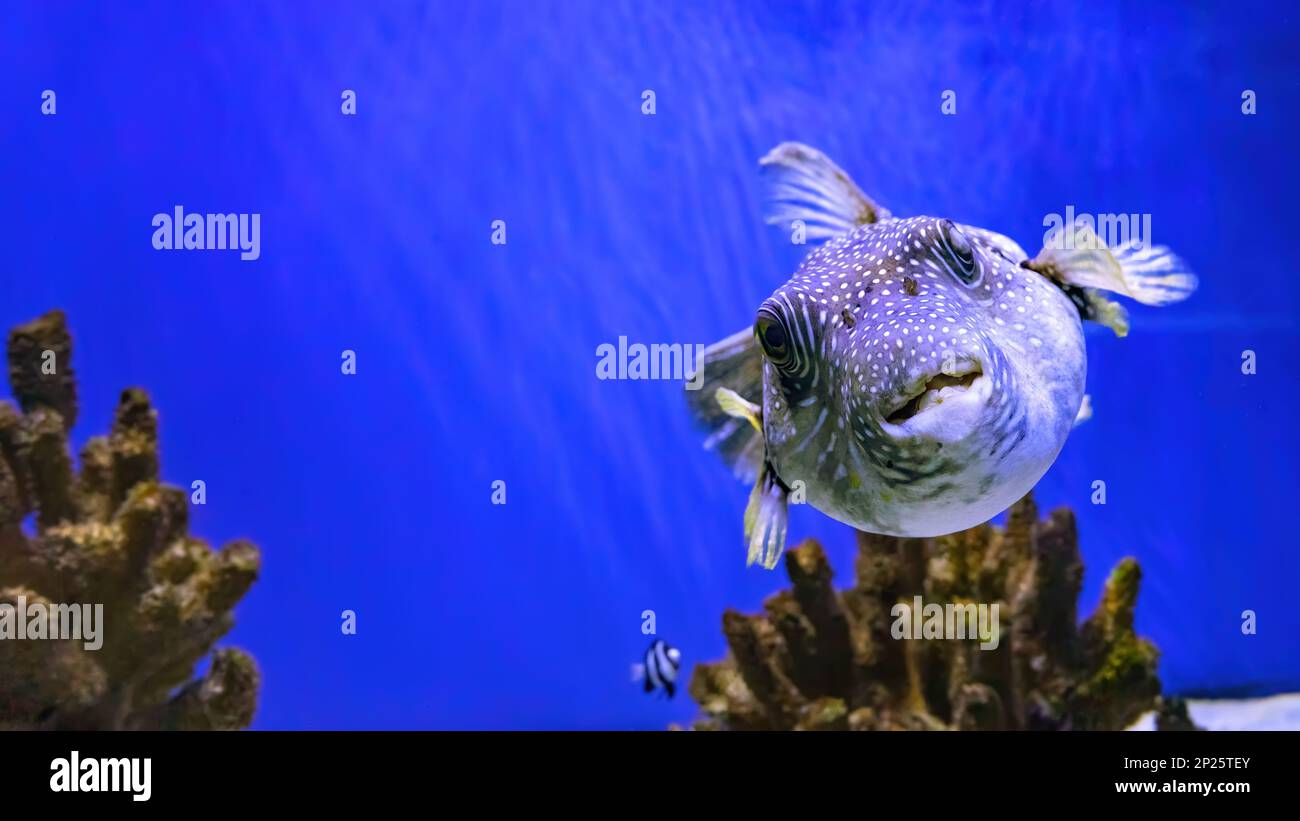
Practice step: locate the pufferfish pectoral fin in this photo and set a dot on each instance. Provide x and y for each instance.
(803, 184)
(1150, 274)
(767, 514)
(767, 518)
(733, 365)
(738, 407)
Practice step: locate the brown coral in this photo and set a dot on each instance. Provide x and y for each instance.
(110, 534)
(817, 659)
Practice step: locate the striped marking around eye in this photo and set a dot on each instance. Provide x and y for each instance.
(805, 361)
(941, 253)
(947, 256)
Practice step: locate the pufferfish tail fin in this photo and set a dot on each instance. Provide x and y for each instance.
(1150, 274)
(803, 184)
(736, 366)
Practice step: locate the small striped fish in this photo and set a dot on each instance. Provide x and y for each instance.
(659, 668)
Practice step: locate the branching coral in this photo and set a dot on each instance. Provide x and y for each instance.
(110, 534)
(821, 659)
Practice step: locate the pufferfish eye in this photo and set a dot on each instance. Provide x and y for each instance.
(772, 336)
(958, 253)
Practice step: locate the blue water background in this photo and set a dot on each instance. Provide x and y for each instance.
(477, 362)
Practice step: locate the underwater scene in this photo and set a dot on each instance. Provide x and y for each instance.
(649, 365)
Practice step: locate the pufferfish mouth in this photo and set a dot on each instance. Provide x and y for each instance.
(935, 390)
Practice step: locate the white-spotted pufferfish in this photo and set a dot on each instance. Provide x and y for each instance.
(915, 377)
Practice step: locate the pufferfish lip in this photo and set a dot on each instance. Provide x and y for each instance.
(932, 390)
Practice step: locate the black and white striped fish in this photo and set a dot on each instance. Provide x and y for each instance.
(915, 377)
(659, 668)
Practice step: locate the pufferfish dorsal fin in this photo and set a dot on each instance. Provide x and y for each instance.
(1150, 274)
(803, 184)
